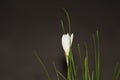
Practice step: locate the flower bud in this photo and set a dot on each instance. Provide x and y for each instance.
(66, 44)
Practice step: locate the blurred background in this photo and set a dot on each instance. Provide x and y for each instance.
(27, 25)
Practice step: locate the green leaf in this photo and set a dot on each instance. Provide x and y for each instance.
(73, 70)
(81, 62)
(56, 71)
(115, 71)
(98, 42)
(118, 74)
(97, 55)
(68, 18)
(93, 75)
(63, 28)
(86, 64)
(86, 69)
(95, 52)
(43, 66)
(61, 75)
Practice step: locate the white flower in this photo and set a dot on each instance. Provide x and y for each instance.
(66, 43)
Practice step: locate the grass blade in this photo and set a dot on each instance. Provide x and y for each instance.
(56, 71)
(73, 70)
(43, 66)
(118, 74)
(115, 71)
(86, 69)
(97, 55)
(93, 75)
(68, 18)
(86, 64)
(61, 75)
(95, 52)
(97, 35)
(81, 62)
(63, 28)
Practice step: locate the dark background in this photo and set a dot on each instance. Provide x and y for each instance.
(26, 25)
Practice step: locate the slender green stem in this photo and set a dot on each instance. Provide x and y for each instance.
(68, 18)
(63, 28)
(86, 50)
(86, 64)
(97, 35)
(69, 68)
(95, 52)
(56, 71)
(81, 62)
(61, 75)
(86, 69)
(93, 75)
(116, 70)
(118, 74)
(43, 66)
(71, 73)
(73, 65)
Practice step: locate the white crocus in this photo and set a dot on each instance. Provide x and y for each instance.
(66, 43)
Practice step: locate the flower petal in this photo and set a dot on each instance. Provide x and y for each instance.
(66, 43)
(71, 37)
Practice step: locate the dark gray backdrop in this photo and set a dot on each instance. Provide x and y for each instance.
(26, 25)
